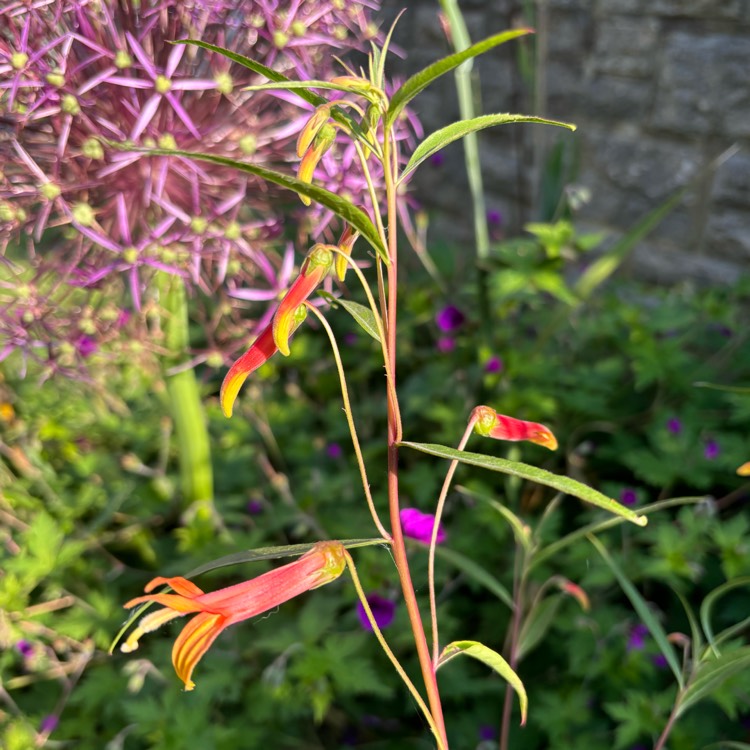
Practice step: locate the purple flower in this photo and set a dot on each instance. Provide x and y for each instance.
(674, 425)
(437, 159)
(449, 319)
(637, 638)
(418, 525)
(711, 450)
(487, 733)
(350, 339)
(659, 661)
(24, 648)
(446, 344)
(255, 507)
(383, 610)
(493, 364)
(333, 450)
(495, 224)
(628, 496)
(49, 724)
(85, 346)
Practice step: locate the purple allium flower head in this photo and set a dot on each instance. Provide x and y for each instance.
(711, 450)
(450, 319)
(659, 661)
(49, 723)
(383, 610)
(255, 507)
(90, 72)
(628, 496)
(333, 450)
(418, 525)
(446, 344)
(493, 364)
(674, 426)
(24, 648)
(637, 638)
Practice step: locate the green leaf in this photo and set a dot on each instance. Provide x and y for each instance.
(363, 315)
(419, 81)
(742, 390)
(532, 473)
(708, 603)
(643, 611)
(727, 745)
(520, 530)
(440, 138)
(696, 637)
(303, 85)
(476, 572)
(493, 660)
(537, 623)
(341, 207)
(711, 674)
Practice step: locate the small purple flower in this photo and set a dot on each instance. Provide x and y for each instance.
(255, 507)
(487, 733)
(450, 318)
(24, 648)
(637, 638)
(711, 450)
(493, 364)
(659, 661)
(446, 344)
(674, 426)
(437, 159)
(494, 218)
(418, 525)
(628, 496)
(350, 339)
(333, 450)
(383, 610)
(49, 724)
(85, 346)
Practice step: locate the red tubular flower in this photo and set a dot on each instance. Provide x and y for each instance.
(317, 264)
(217, 610)
(574, 590)
(491, 424)
(259, 353)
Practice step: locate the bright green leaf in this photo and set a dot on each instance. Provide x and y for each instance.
(493, 660)
(532, 473)
(419, 81)
(363, 315)
(441, 138)
(537, 623)
(711, 674)
(708, 603)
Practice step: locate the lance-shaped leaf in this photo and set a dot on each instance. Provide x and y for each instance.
(493, 660)
(340, 206)
(708, 605)
(363, 315)
(441, 138)
(525, 471)
(419, 81)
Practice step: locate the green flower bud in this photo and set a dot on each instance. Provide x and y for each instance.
(233, 231)
(83, 214)
(198, 224)
(162, 84)
(130, 255)
(92, 149)
(167, 141)
(122, 59)
(224, 83)
(248, 144)
(50, 191)
(56, 78)
(18, 60)
(70, 105)
(280, 39)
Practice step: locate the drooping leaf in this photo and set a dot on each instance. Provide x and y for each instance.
(493, 660)
(340, 206)
(709, 602)
(476, 572)
(537, 623)
(711, 674)
(643, 611)
(740, 389)
(441, 138)
(521, 531)
(363, 315)
(525, 471)
(419, 81)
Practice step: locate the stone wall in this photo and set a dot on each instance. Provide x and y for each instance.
(658, 88)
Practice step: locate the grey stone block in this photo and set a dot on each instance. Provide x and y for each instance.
(727, 235)
(732, 183)
(665, 264)
(626, 46)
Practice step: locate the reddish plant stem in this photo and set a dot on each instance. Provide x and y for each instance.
(394, 436)
(518, 591)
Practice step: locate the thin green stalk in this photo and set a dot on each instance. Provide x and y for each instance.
(397, 665)
(350, 421)
(394, 436)
(433, 542)
(194, 448)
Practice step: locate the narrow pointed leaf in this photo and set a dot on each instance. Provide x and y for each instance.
(493, 660)
(537, 623)
(708, 603)
(727, 745)
(643, 611)
(363, 315)
(520, 530)
(341, 207)
(525, 471)
(476, 572)
(301, 85)
(441, 138)
(419, 81)
(741, 389)
(696, 637)
(711, 674)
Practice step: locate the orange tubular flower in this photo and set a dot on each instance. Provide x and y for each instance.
(317, 264)
(323, 140)
(259, 353)
(217, 610)
(744, 470)
(346, 243)
(574, 590)
(307, 135)
(491, 424)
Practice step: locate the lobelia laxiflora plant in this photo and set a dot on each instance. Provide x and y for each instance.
(367, 113)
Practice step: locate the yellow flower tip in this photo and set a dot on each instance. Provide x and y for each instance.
(333, 563)
(574, 590)
(189, 685)
(230, 389)
(744, 470)
(542, 436)
(313, 125)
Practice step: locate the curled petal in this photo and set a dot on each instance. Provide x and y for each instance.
(322, 142)
(744, 470)
(346, 243)
(314, 124)
(194, 640)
